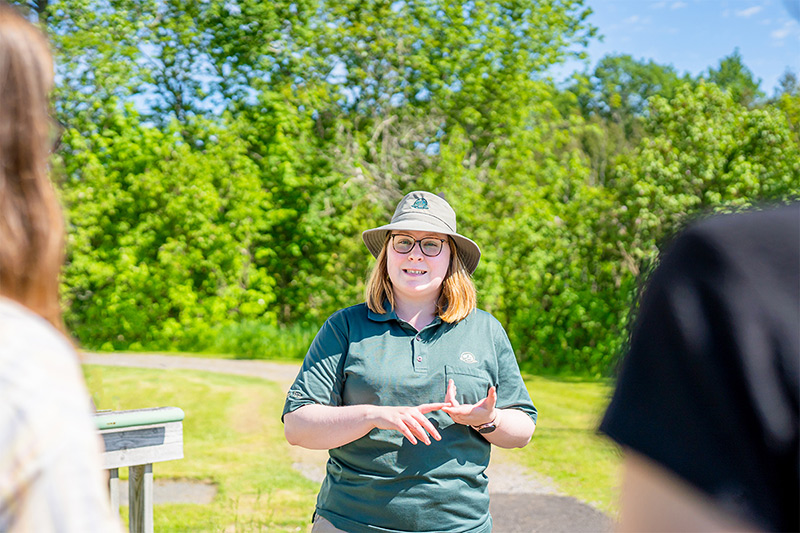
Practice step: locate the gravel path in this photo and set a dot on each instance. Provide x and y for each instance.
(522, 502)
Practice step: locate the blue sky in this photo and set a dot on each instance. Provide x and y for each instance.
(693, 35)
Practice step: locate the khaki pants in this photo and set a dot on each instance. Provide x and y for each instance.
(321, 525)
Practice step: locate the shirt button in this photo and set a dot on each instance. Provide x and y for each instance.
(419, 359)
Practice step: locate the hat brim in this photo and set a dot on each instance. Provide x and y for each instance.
(468, 251)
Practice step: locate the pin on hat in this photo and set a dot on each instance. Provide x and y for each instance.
(425, 211)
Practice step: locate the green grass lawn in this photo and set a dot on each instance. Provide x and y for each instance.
(233, 437)
(566, 447)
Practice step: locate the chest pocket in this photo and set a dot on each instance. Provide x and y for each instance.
(471, 384)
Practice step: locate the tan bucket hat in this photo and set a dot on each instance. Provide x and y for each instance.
(424, 211)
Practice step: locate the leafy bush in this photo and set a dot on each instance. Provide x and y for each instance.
(161, 241)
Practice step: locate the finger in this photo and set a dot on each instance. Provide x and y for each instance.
(458, 410)
(416, 428)
(407, 433)
(490, 401)
(429, 407)
(491, 398)
(430, 428)
(450, 397)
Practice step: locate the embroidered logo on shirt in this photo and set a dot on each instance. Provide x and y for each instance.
(468, 358)
(421, 203)
(295, 394)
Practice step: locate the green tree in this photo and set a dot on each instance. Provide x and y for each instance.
(705, 151)
(313, 212)
(787, 99)
(621, 86)
(276, 132)
(701, 152)
(614, 100)
(409, 72)
(97, 55)
(733, 76)
(529, 210)
(413, 77)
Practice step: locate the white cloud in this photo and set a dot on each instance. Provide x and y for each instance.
(658, 5)
(782, 33)
(749, 12)
(678, 5)
(637, 23)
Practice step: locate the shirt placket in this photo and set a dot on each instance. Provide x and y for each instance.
(419, 351)
(421, 345)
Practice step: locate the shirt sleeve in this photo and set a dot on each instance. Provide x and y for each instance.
(511, 390)
(709, 387)
(321, 377)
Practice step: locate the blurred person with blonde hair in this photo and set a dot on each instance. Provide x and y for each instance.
(51, 476)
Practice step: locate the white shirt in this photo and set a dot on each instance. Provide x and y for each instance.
(51, 476)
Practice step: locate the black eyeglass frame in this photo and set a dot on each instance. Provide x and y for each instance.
(57, 129)
(417, 242)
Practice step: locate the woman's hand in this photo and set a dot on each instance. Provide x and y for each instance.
(514, 428)
(410, 421)
(474, 414)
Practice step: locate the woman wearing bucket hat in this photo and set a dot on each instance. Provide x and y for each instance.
(417, 362)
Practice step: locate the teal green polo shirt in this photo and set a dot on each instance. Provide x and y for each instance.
(382, 482)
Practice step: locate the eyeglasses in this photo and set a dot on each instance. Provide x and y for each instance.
(56, 133)
(430, 246)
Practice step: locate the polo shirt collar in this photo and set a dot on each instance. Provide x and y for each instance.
(385, 317)
(390, 314)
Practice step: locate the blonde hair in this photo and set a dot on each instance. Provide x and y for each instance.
(458, 296)
(31, 222)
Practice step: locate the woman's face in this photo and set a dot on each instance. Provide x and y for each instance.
(414, 275)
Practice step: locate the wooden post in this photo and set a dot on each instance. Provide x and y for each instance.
(113, 489)
(140, 499)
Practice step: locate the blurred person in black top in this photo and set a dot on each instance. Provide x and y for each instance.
(706, 406)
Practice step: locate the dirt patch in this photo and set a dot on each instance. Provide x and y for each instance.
(508, 477)
(175, 491)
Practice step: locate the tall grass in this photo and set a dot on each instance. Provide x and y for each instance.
(254, 340)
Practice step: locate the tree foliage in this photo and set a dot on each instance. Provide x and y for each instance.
(221, 159)
(733, 76)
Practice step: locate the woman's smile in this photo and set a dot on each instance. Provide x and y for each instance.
(416, 276)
